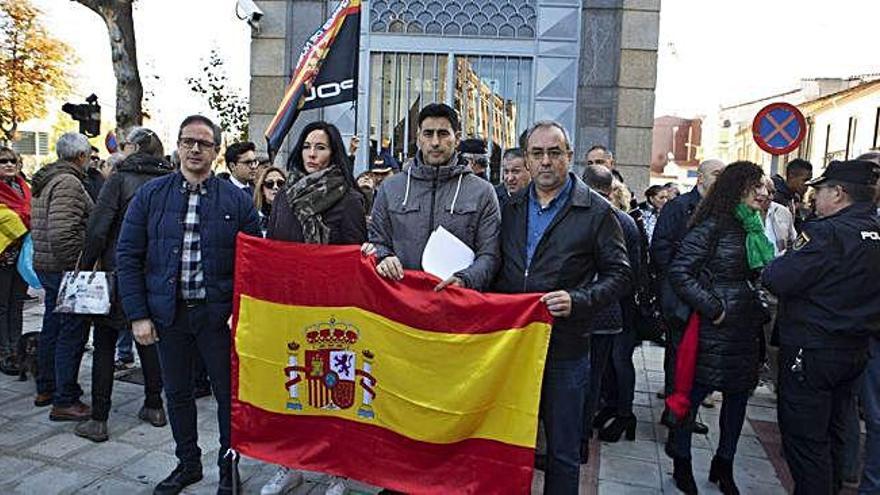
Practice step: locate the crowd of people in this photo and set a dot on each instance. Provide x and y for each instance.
(770, 284)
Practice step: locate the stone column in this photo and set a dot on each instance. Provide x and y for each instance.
(617, 76)
(637, 78)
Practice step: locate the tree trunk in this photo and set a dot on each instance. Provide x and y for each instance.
(117, 15)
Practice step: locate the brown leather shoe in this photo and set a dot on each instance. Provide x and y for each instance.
(74, 412)
(43, 400)
(155, 417)
(93, 430)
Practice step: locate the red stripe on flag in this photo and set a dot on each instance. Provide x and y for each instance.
(380, 457)
(19, 203)
(338, 276)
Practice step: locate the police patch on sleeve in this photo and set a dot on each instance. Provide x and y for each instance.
(802, 240)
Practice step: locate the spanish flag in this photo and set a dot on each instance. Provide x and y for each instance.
(337, 370)
(15, 212)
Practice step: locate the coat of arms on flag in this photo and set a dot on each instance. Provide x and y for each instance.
(330, 369)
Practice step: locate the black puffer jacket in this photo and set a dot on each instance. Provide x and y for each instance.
(710, 273)
(106, 219)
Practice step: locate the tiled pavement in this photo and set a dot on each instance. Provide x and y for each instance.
(41, 457)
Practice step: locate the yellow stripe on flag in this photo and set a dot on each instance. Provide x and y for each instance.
(478, 385)
(11, 227)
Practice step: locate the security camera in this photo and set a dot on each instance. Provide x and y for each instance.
(248, 10)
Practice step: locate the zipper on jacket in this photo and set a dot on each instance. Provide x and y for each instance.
(526, 280)
(433, 197)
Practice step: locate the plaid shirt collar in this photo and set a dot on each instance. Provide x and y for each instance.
(201, 188)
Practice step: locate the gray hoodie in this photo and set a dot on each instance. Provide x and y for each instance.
(410, 205)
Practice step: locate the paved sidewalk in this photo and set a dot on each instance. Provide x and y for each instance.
(40, 456)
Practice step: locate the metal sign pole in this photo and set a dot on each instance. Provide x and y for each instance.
(774, 165)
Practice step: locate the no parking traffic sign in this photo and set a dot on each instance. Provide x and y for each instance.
(779, 128)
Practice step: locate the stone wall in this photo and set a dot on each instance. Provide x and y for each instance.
(617, 76)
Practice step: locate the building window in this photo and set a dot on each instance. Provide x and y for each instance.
(42, 143)
(827, 143)
(497, 19)
(402, 83)
(852, 125)
(876, 130)
(491, 94)
(31, 143)
(806, 148)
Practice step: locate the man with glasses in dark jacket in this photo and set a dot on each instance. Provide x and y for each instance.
(241, 160)
(175, 261)
(561, 238)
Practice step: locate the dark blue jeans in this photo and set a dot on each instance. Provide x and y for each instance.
(125, 345)
(192, 333)
(871, 402)
(563, 396)
(733, 414)
(62, 342)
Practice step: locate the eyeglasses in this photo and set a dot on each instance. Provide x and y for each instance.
(190, 143)
(249, 163)
(272, 184)
(8, 161)
(555, 154)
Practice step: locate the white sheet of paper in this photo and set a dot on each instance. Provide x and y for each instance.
(445, 254)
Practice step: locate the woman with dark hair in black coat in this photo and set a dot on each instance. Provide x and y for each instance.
(714, 272)
(320, 204)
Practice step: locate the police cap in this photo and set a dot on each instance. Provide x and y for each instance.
(850, 171)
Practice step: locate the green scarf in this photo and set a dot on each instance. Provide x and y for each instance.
(759, 249)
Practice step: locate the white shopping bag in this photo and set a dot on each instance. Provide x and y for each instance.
(84, 293)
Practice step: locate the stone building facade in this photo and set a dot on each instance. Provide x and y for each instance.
(503, 64)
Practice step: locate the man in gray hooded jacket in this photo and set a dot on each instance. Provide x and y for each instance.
(437, 188)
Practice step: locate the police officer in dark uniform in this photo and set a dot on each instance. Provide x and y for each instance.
(829, 306)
